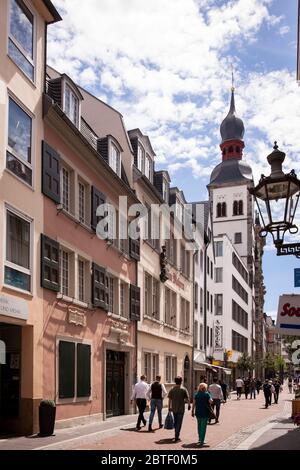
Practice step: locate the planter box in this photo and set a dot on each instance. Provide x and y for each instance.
(295, 407)
(47, 420)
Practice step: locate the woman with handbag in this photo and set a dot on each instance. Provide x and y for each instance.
(202, 410)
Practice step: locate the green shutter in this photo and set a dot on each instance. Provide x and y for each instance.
(66, 369)
(83, 370)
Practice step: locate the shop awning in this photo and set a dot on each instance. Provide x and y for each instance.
(225, 369)
(203, 366)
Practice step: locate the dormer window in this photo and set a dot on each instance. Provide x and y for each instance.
(115, 159)
(21, 34)
(147, 167)
(71, 105)
(141, 158)
(179, 210)
(164, 189)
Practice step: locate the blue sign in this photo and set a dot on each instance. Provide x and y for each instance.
(297, 277)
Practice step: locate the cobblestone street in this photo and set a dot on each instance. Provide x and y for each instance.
(244, 425)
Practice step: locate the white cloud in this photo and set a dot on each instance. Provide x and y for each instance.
(165, 65)
(284, 30)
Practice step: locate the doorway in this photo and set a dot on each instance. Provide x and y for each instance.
(10, 376)
(115, 383)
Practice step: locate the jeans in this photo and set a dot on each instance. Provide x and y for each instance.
(253, 392)
(216, 403)
(276, 395)
(141, 404)
(202, 424)
(246, 392)
(268, 398)
(156, 403)
(238, 392)
(178, 418)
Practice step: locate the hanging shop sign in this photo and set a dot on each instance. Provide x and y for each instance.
(288, 316)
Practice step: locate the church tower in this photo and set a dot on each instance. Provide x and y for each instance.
(231, 203)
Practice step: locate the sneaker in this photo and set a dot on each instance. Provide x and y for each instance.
(150, 429)
(137, 428)
(161, 426)
(200, 444)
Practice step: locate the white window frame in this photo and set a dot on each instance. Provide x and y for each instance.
(67, 85)
(9, 264)
(30, 165)
(218, 279)
(141, 158)
(151, 370)
(117, 167)
(124, 310)
(33, 60)
(62, 252)
(81, 277)
(171, 368)
(75, 399)
(82, 193)
(148, 166)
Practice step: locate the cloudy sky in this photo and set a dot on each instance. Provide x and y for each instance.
(166, 66)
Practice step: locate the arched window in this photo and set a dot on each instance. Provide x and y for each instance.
(235, 208)
(237, 149)
(238, 207)
(223, 209)
(224, 151)
(219, 209)
(230, 150)
(241, 208)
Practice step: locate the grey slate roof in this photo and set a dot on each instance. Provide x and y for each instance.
(232, 126)
(231, 171)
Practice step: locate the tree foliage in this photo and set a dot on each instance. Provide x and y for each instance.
(246, 363)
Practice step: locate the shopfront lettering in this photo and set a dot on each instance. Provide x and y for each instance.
(287, 310)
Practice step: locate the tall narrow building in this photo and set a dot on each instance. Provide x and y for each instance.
(232, 214)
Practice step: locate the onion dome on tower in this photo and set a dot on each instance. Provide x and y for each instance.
(232, 168)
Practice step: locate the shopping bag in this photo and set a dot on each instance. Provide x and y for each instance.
(169, 422)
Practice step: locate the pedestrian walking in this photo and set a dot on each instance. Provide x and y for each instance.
(178, 396)
(239, 383)
(156, 394)
(246, 387)
(252, 389)
(290, 384)
(267, 393)
(201, 403)
(224, 389)
(277, 386)
(272, 391)
(258, 385)
(139, 394)
(216, 394)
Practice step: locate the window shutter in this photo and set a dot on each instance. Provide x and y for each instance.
(98, 198)
(99, 287)
(102, 148)
(83, 370)
(134, 249)
(66, 369)
(134, 144)
(135, 309)
(50, 173)
(54, 90)
(49, 263)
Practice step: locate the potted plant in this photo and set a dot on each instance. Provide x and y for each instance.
(296, 403)
(47, 412)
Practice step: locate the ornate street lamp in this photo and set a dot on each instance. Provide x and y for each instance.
(277, 197)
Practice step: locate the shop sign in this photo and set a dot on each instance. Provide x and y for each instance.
(14, 307)
(288, 316)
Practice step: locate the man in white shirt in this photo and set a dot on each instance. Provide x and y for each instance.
(216, 393)
(139, 394)
(239, 383)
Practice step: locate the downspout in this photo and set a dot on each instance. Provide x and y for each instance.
(193, 326)
(205, 298)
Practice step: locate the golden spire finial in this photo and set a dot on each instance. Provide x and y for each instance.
(232, 78)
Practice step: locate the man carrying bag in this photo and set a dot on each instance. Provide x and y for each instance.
(178, 396)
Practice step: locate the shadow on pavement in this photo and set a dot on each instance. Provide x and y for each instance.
(289, 441)
(166, 441)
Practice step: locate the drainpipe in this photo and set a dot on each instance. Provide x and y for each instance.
(205, 298)
(193, 325)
